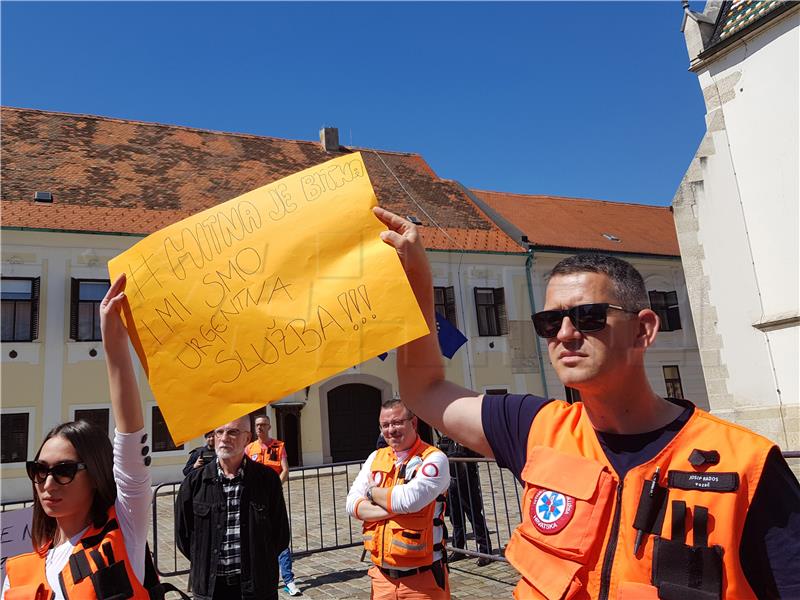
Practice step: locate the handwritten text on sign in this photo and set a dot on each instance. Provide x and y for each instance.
(15, 535)
(256, 298)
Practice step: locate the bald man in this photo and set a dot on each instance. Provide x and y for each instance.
(230, 521)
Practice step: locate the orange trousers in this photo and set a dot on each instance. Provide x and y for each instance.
(421, 586)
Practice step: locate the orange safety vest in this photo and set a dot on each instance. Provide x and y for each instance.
(577, 534)
(269, 455)
(406, 540)
(99, 567)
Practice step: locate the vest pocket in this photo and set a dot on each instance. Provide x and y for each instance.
(566, 503)
(411, 543)
(629, 590)
(370, 531)
(548, 575)
(112, 583)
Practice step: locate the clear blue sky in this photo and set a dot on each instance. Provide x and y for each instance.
(574, 99)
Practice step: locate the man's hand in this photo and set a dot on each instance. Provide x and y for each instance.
(380, 496)
(370, 511)
(404, 237)
(198, 463)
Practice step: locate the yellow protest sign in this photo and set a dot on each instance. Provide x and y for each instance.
(263, 295)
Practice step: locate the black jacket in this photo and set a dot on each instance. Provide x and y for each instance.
(200, 512)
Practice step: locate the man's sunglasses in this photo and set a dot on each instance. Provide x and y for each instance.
(586, 318)
(63, 472)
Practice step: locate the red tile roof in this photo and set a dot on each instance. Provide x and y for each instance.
(579, 224)
(118, 176)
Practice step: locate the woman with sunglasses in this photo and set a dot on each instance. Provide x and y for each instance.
(91, 502)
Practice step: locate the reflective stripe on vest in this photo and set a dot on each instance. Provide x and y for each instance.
(406, 540)
(567, 545)
(269, 455)
(101, 550)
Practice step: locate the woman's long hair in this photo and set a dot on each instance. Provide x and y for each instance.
(94, 449)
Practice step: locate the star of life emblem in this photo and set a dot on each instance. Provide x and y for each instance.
(551, 511)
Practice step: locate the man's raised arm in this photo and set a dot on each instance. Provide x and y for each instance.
(448, 407)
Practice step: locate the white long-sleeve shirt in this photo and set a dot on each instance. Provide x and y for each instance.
(432, 478)
(134, 494)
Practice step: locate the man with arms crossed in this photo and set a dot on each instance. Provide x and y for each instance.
(272, 453)
(230, 522)
(627, 494)
(399, 494)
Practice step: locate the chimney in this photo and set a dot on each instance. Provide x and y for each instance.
(698, 27)
(329, 138)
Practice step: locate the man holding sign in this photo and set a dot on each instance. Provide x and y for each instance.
(627, 494)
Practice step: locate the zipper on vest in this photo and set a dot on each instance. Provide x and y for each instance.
(611, 548)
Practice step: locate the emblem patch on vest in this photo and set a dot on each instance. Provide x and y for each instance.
(551, 511)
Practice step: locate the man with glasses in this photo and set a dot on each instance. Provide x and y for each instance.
(230, 522)
(399, 495)
(627, 494)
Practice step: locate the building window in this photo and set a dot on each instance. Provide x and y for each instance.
(444, 301)
(672, 379)
(84, 315)
(14, 428)
(20, 312)
(665, 305)
(572, 395)
(491, 307)
(96, 416)
(162, 440)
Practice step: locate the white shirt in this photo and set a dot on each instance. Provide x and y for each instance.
(431, 479)
(134, 494)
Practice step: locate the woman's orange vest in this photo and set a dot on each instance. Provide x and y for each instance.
(577, 534)
(98, 567)
(405, 540)
(269, 455)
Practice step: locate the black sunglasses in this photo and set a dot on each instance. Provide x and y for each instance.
(586, 318)
(63, 472)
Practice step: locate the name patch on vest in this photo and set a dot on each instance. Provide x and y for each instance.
(551, 511)
(709, 482)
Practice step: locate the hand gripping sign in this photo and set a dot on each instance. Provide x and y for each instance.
(254, 299)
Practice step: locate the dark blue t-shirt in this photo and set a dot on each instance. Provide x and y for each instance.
(770, 548)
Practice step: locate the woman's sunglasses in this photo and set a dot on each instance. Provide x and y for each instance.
(63, 472)
(586, 318)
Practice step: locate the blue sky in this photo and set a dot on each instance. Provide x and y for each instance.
(574, 99)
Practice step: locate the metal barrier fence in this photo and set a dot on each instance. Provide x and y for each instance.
(315, 500)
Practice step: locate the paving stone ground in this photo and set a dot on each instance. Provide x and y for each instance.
(316, 502)
(341, 574)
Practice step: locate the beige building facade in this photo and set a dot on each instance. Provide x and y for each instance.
(736, 212)
(61, 223)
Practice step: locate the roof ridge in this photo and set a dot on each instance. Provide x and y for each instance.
(193, 129)
(554, 197)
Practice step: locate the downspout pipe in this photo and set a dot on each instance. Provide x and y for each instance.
(528, 269)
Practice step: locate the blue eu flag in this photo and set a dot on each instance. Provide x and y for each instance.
(450, 338)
